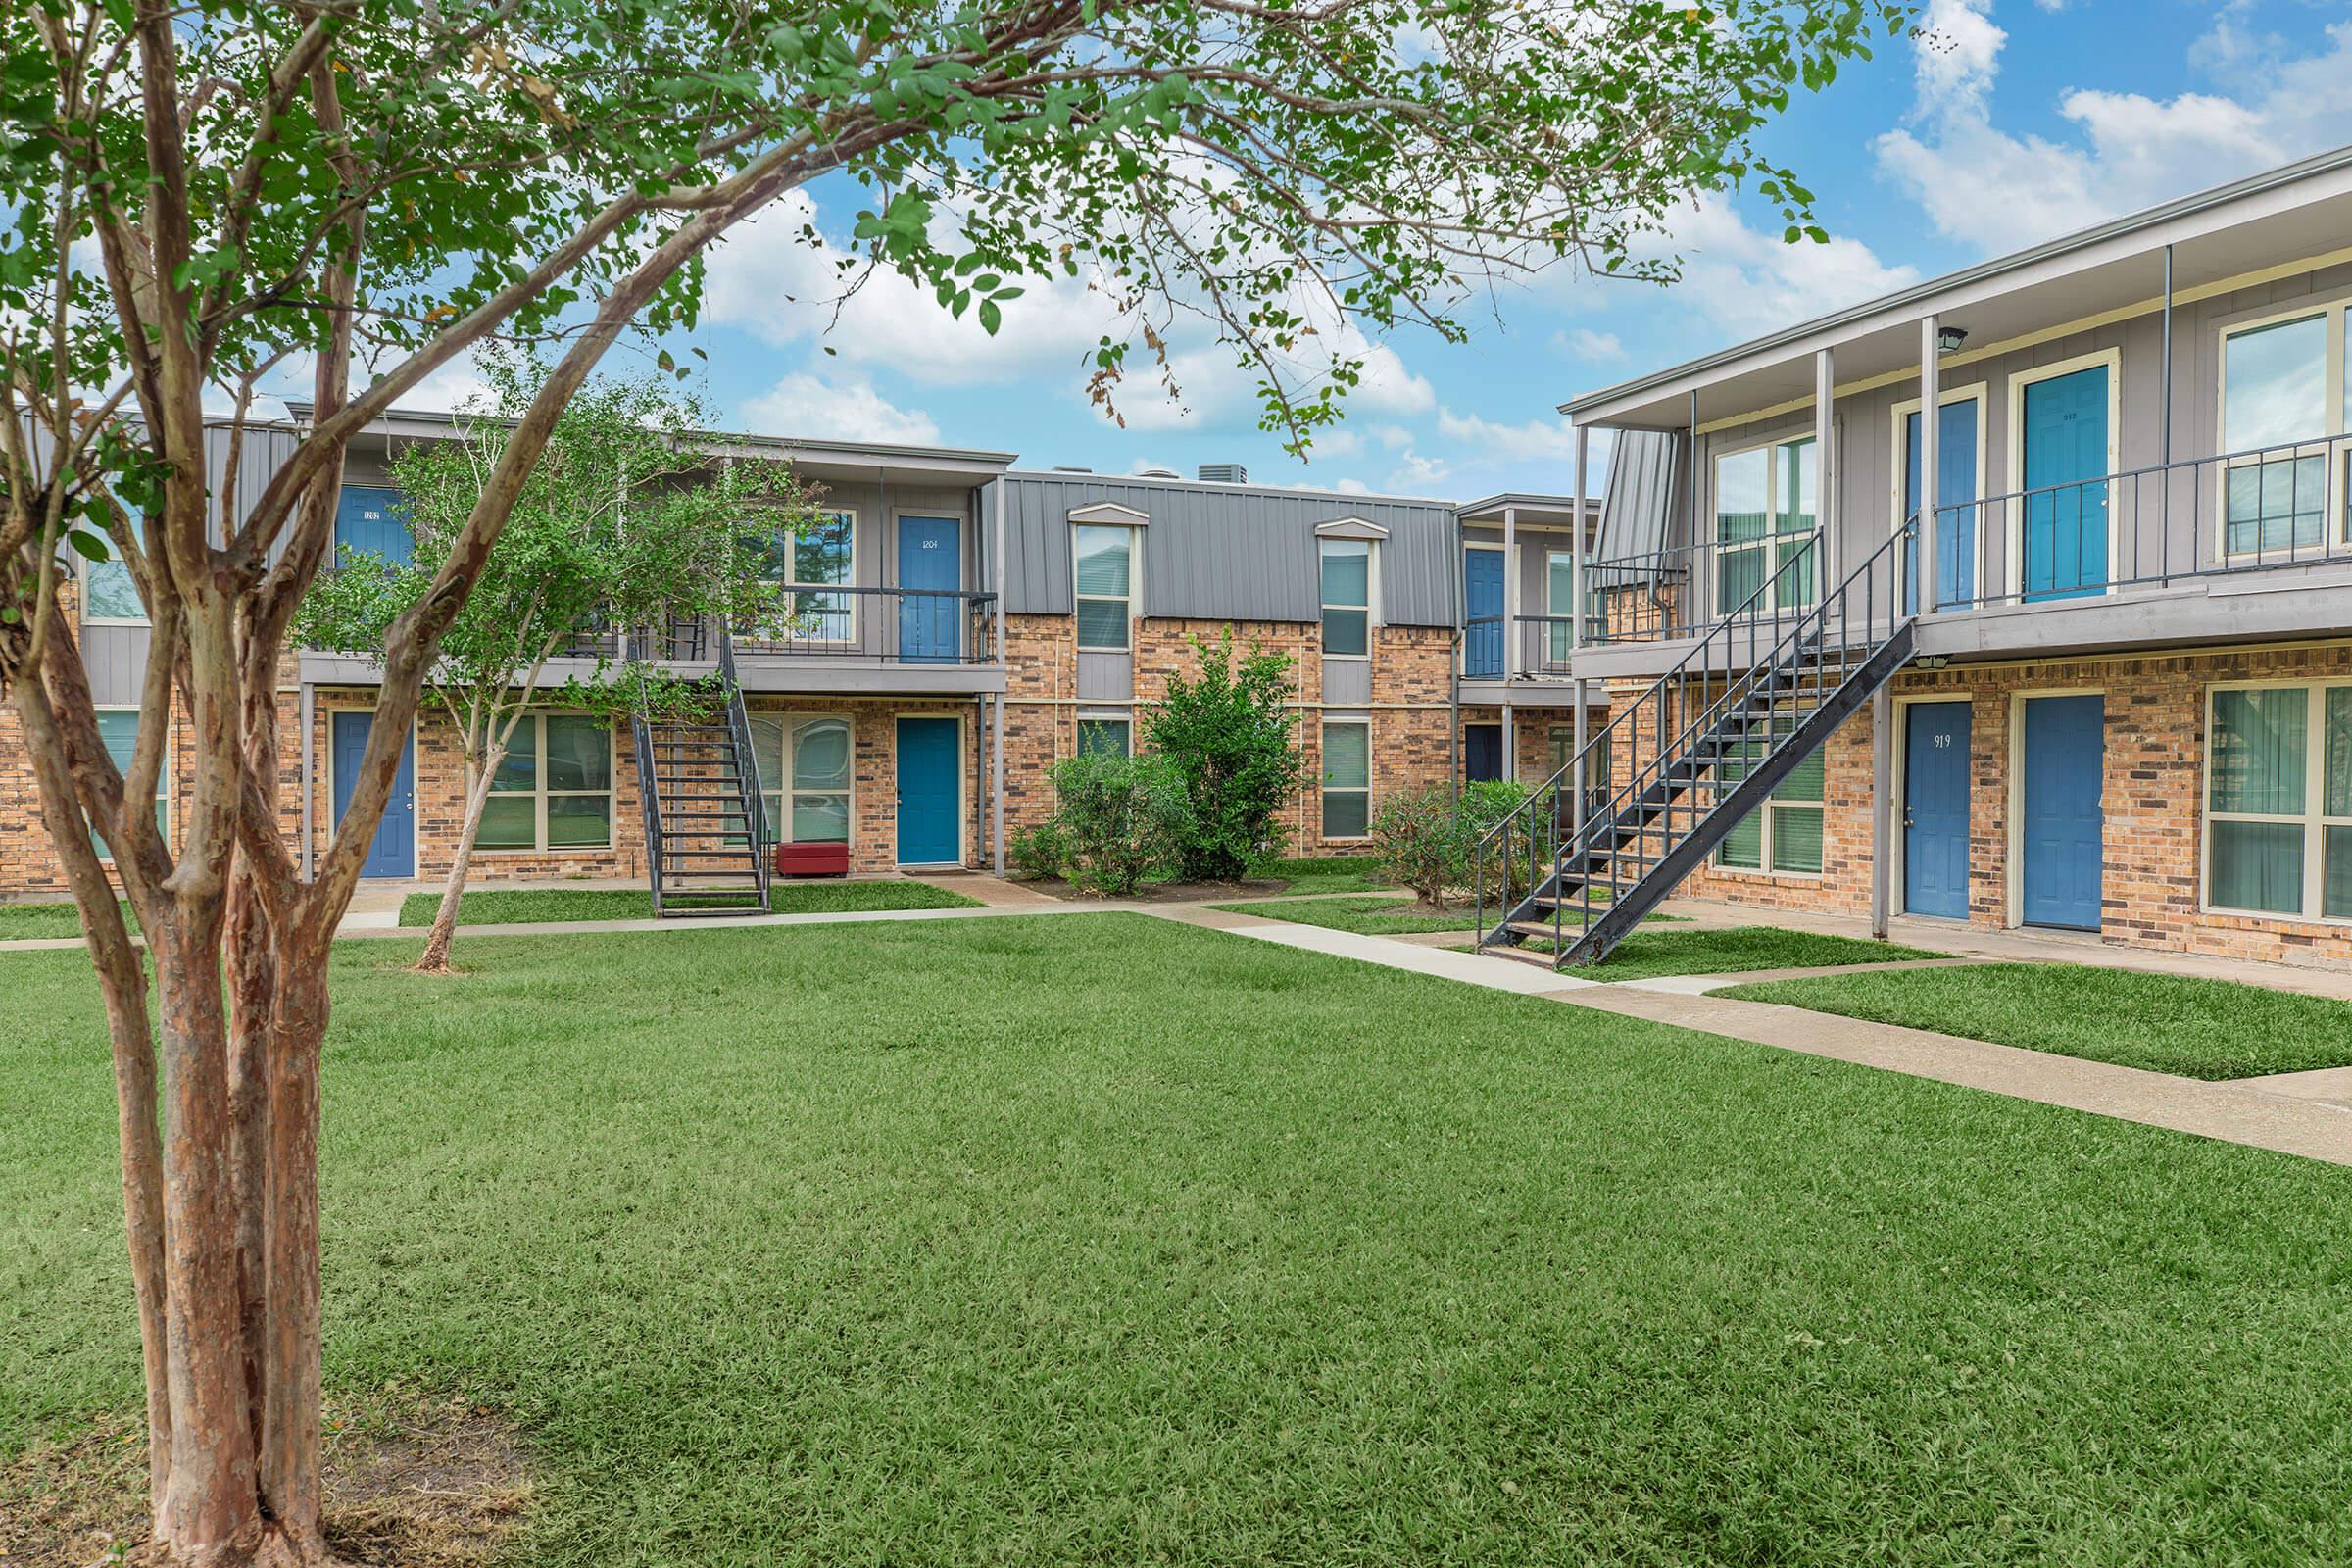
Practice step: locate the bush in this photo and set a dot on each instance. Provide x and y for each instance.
(1422, 839)
(1230, 733)
(1039, 851)
(1428, 839)
(1121, 819)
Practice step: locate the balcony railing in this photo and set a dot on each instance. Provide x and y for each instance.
(1680, 591)
(876, 625)
(887, 625)
(2260, 509)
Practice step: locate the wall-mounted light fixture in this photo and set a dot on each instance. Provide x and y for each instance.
(1949, 339)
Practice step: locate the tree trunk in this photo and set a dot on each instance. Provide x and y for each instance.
(436, 959)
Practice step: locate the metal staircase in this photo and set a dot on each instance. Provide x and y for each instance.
(706, 823)
(1708, 741)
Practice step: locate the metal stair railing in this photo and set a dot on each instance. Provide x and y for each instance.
(650, 804)
(747, 768)
(1692, 742)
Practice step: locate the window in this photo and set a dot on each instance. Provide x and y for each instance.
(1765, 510)
(1346, 780)
(1106, 737)
(2274, 398)
(1783, 834)
(821, 555)
(118, 729)
(1105, 586)
(108, 594)
(1559, 602)
(803, 768)
(1347, 598)
(2279, 807)
(554, 789)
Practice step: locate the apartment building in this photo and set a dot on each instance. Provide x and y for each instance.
(2100, 685)
(959, 625)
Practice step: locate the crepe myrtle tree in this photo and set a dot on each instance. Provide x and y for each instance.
(623, 527)
(200, 198)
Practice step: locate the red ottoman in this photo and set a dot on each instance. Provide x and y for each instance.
(812, 859)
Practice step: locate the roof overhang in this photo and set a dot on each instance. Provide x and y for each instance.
(827, 462)
(2280, 223)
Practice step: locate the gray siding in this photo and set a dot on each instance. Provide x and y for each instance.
(1347, 680)
(1226, 551)
(1106, 678)
(1643, 508)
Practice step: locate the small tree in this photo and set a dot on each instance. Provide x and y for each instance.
(621, 525)
(1231, 734)
(1422, 837)
(1121, 819)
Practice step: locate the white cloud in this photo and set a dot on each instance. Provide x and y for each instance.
(1993, 190)
(1752, 282)
(1543, 439)
(1585, 344)
(849, 410)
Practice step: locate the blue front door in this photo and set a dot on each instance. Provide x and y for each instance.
(1935, 810)
(1482, 631)
(367, 517)
(930, 571)
(2065, 467)
(930, 797)
(1955, 507)
(394, 849)
(2060, 834)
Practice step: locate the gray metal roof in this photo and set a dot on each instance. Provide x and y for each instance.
(1922, 293)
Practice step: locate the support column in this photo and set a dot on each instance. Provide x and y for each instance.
(1882, 810)
(1510, 639)
(1825, 470)
(1931, 428)
(1576, 625)
(995, 501)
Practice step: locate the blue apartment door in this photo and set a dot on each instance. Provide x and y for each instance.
(394, 849)
(1482, 597)
(1935, 810)
(2060, 827)
(930, 571)
(367, 517)
(930, 797)
(1956, 506)
(2065, 467)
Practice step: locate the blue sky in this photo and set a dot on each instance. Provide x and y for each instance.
(2008, 122)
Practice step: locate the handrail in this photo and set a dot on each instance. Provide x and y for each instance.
(748, 783)
(1736, 675)
(646, 804)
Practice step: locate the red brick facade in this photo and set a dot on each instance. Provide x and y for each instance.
(2151, 800)
(1410, 710)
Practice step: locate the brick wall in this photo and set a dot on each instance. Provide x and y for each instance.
(1410, 710)
(2150, 797)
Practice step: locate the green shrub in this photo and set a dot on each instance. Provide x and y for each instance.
(1484, 807)
(1422, 840)
(1039, 851)
(1231, 734)
(1121, 819)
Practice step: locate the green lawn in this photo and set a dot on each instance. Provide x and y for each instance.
(1649, 955)
(25, 921)
(1378, 916)
(1338, 873)
(1094, 1239)
(516, 906)
(2165, 1023)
